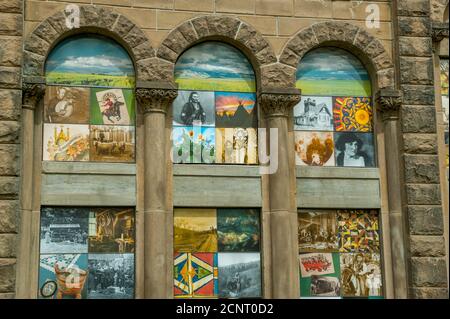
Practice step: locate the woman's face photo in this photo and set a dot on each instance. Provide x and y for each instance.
(351, 148)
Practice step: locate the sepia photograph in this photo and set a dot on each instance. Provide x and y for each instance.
(64, 230)
(66, 105)
(314, 148)
(195, 230)
(318, 231)
(111, 276)
(111, 230)
(236, 146)
(360, 275)
(112, 143)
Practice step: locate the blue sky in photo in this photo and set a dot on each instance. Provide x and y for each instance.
(89, 55)
(331, 64)
(213, 60)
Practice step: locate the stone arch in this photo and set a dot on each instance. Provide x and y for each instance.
(347, 36)
(220, 28)
(439, 10)
(93, 19)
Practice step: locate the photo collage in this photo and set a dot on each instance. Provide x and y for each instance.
(215, 118)
(87, 253)
(339, 254)
(217, 253)
(333, 122)
(89, 104)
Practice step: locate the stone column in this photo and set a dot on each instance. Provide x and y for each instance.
(428, 276)
(388, 106)
(276, 105)
(154, 100)
(32, 93)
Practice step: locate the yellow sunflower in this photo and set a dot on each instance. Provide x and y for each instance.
(362, 117)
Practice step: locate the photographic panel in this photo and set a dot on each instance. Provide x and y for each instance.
(66, 105)
(234, 109)
(353, 114)
(193, 144)
(111, 276)
(314, 148)
(239, 275)
(361, 275)
(110, 143)
(314, 113)
(318, 231)
(354, 149)
(194, 108)
(195, 230)
(236, 146)
(358, 231)
(238, 230)
(63, 276)
(112, 107)
(195, 275)
(111, 230)
(65, 142)
(64, 230)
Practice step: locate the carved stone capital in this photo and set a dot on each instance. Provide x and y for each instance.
(155, 99)
(389, 103)
(32, 94)
(439, 31)
(277, 103)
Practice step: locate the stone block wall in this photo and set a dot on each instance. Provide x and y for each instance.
(11, 22)
(276, 20)
(427, 265)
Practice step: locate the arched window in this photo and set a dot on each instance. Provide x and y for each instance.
(339, 244)
(217, 251)
(333, 122)
(89, 112)
(215, 118)
(89, 116)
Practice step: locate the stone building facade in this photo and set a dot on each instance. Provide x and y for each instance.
(401, 55)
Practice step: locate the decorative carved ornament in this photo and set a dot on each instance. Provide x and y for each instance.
(276, 104)
(32, 93)
(389, 103)
(440, 31)
(155, 100)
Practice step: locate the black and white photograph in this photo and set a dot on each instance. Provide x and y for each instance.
(325, 286)
(314, 113)
(64, 230)
(111, 276)
(194, 108)
(354, 149)
(239, 275)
